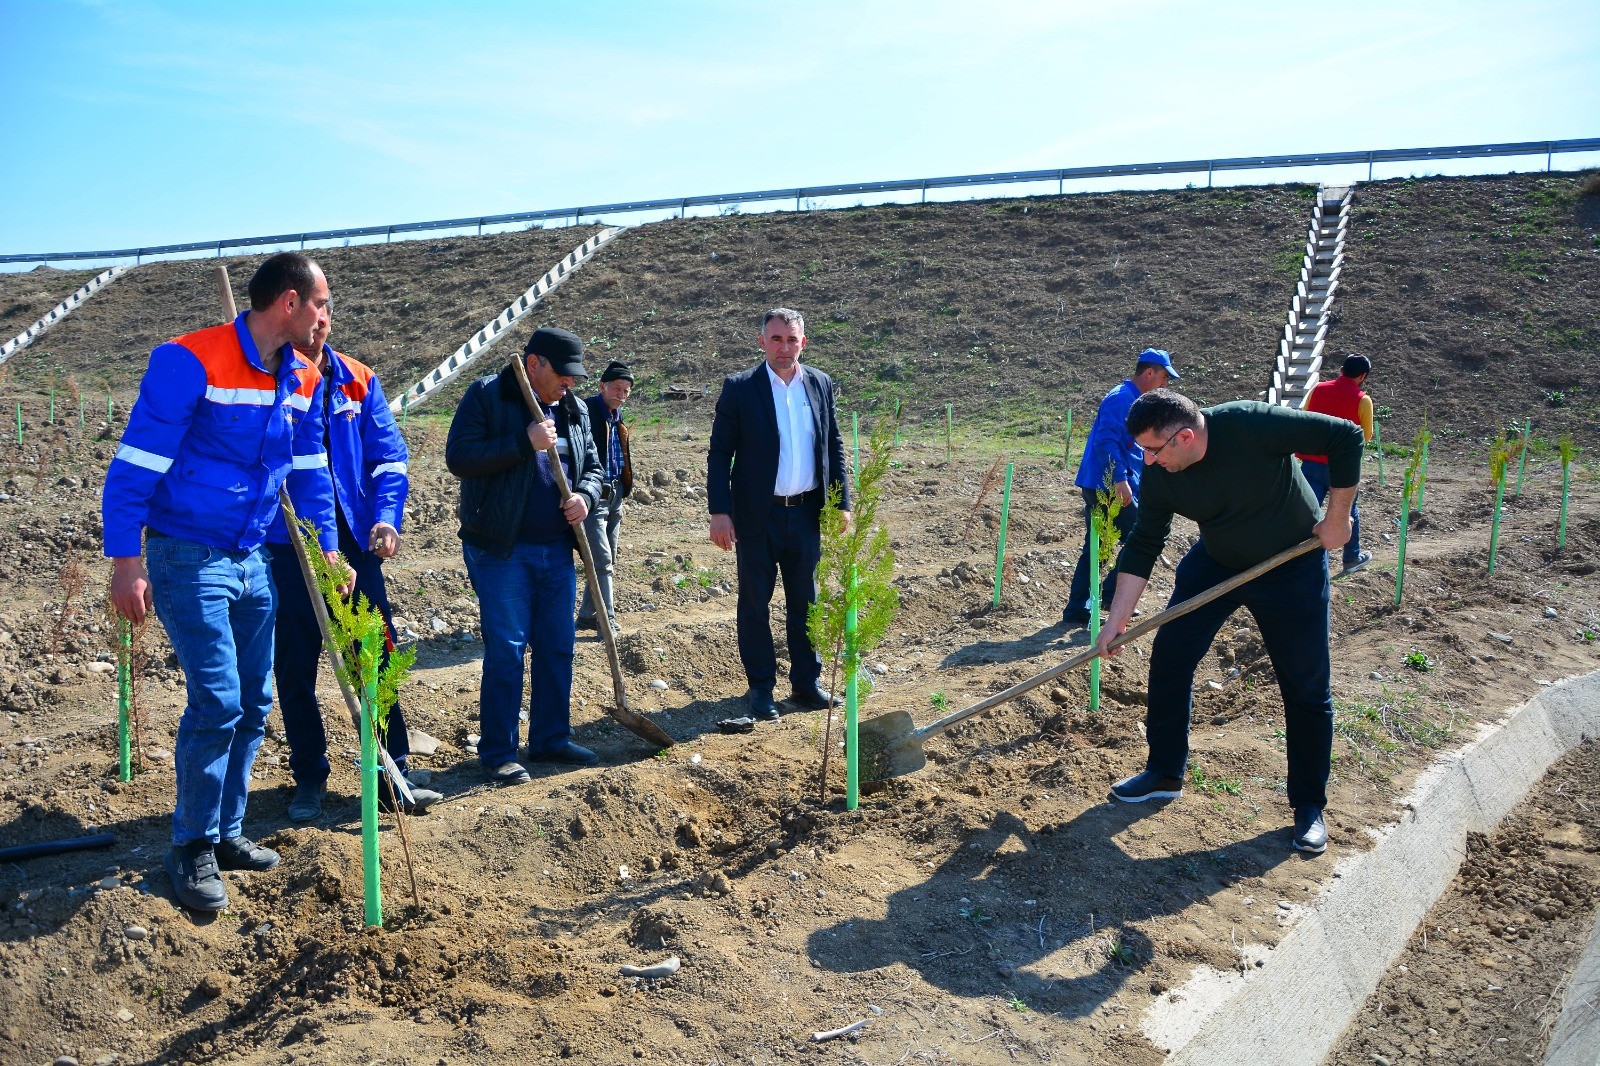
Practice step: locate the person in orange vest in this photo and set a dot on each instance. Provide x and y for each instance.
(1342, 397)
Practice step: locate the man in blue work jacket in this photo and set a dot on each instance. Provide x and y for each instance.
(1112, 461)
(224, 417)
(368, 458)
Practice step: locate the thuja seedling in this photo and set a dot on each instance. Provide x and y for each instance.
(939, 701)
(976, 915)
(1017, 1005)
(1418, 660)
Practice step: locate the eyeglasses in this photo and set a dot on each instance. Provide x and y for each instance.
(1151, 453)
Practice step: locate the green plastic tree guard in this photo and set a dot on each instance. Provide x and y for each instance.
(1494, 527)
(1000, 549)
(1566, 483)
(369, 789)
(1522, 464)
(124, 699)
(852, 704)
(1405, 525)
(1094, 609)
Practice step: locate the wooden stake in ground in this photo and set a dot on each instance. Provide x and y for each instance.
(634, 722)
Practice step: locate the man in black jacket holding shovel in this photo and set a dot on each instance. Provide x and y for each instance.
(517, 539)
(1231, 469)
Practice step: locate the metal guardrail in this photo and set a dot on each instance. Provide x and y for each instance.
(1548, 149)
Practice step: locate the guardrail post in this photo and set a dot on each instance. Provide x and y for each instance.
(1209, 164)
(388, 235)
(924, 192)
(1369, 166)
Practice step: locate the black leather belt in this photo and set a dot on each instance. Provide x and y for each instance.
(794, 501)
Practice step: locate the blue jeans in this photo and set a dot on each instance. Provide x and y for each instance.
(1078, 598)
(1316, 475)
(601, 528)
(1290, 605)
(299, 650)
(217, 607)
(524, 601)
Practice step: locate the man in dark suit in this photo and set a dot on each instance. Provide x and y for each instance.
(775, 452)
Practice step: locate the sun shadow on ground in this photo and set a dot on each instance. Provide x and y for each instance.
(1055, 918)
(1051, 640)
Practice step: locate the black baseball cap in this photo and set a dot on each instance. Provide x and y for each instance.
(558, 347)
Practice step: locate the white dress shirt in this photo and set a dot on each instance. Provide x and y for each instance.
(797, 435)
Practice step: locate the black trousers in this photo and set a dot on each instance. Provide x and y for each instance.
(298, 647)
(791, 543)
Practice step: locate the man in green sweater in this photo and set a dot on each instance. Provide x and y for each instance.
(1231, 469)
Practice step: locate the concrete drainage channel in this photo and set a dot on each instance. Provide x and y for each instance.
(1337, 953)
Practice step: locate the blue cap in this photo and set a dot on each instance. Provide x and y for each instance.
(1159, 357)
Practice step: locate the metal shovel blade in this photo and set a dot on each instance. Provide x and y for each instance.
(889, 747)
(640, 726)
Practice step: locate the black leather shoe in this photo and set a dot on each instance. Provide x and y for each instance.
(195, 880)
(814, 698)
(1310, 831)
(761, 705)
(241, 853)
(306, 806)
(1075, 619)
(567, 752)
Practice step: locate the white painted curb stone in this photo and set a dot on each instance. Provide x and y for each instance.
(1295, 1008)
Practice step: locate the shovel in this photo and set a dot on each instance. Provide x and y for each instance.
(891, 744)
(636, 723)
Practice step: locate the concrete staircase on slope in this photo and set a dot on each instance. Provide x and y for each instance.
(1299, 364)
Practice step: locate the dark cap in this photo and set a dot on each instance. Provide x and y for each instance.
(1159, 357)
(561, 349)
(616, 370)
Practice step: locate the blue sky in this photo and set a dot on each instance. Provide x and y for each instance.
(127, 123)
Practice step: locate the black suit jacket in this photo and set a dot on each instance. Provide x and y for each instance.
(742, 463)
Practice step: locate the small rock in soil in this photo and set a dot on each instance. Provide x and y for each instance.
(135, 932)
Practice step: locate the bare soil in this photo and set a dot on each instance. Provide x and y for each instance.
(1482, 980)
(992, 908)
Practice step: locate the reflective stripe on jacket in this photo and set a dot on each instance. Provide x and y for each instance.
(209, 441)
(366, 452)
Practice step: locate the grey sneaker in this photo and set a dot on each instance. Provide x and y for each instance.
(1146, 786)
(1362, 561)
(508, 773)
(421, 798)
(195, 878)
(306, 806)
(1310, 830)
(241, 853)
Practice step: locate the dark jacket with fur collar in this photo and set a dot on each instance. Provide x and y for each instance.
(489, 450)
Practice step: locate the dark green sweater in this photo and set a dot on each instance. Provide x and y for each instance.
(1246, 495)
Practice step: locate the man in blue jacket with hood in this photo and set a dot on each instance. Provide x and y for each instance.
(225, 416)
(368, 458)
(1112, 461)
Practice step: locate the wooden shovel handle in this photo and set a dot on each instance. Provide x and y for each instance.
(1133, 633)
